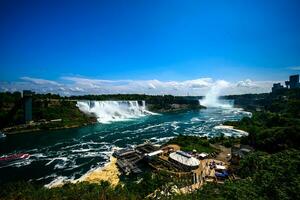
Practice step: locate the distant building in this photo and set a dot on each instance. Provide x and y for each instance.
(276, 87)
(293, 82)
(27, 104)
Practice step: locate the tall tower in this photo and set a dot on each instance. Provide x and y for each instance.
(294, 81)
(27, 104)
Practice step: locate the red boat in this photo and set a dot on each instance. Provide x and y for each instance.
(14, 157)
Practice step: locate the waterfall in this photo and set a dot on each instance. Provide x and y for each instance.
(109, 111)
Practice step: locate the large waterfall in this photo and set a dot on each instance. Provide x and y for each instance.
(108, 111)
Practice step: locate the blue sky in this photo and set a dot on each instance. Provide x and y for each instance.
(148, 40)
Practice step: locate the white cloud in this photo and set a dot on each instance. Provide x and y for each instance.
(39, 81)
(296, 68)
(80, 86)
(246, 83)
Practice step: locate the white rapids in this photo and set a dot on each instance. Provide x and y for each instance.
(109, 111)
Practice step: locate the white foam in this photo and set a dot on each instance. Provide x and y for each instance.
(232, 129)
(58, 181)
(175, 126)
(163, 139)
(64, 159)
(195, 119)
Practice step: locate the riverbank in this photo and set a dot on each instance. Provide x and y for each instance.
(109, 173)
(45, 126)
(173, 108)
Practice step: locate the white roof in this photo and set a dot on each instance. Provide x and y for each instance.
(203, 154)
(184, 158)
(220, 167)
(154, 153)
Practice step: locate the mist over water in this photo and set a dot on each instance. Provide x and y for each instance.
(211, 98)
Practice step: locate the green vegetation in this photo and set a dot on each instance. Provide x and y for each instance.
(189, 143)
(65, 110)
(274, 129)
(86, 191)
(44, 109)
(11, 111)
(225, 141)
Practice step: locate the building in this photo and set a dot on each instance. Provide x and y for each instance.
(129, 159)
(293, 82)
(184, 160)
(276, 87)
(27, 104)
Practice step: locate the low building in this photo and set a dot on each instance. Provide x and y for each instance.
(277, 87)
(129, 159)
(184, 160)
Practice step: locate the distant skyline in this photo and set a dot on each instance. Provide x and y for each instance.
(153, 47)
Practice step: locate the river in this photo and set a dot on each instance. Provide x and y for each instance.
(68, 154)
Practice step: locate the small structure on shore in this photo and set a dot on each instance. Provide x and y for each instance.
(202, 156)
(154, 153)
(129, 158)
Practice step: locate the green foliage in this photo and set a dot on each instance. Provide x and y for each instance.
(277, 127)
(11, 111)
(65, 110)
(85, 191)
(226, 141)
(189, 143)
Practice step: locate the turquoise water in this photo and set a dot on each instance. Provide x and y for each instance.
(68, 154)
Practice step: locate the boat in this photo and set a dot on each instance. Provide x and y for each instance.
(2, 135)
(13, 158)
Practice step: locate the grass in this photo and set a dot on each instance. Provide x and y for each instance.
(189, 143)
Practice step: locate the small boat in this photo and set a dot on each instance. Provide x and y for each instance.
(14, 157)
(2, 135)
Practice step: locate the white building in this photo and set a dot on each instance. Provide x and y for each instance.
(184, 160)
